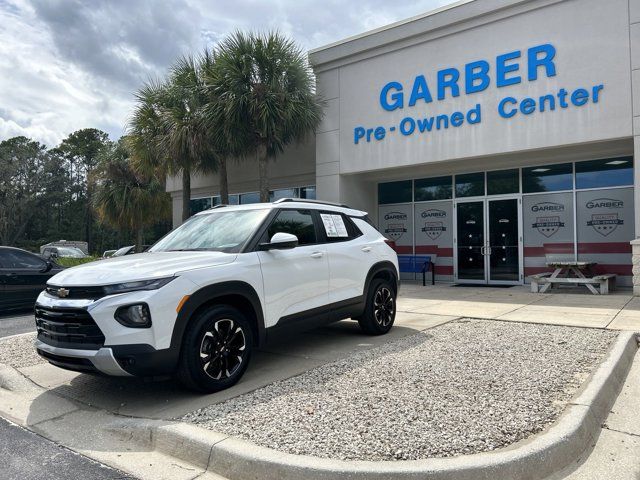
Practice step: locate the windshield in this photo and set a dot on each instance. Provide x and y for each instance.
(122, 251)
(70, 252)
(220, 231)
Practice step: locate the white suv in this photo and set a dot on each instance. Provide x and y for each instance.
(201, 299)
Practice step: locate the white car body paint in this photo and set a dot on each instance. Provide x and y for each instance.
(286, 282)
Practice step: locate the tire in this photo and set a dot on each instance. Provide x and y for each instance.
(216, 349)
(380, 309)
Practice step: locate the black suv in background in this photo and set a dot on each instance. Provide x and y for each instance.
(23, 275)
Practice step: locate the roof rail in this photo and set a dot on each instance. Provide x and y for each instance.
(307, 200)
(219, 206)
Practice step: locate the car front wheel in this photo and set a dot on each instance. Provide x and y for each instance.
(216, 349)
(380, 309)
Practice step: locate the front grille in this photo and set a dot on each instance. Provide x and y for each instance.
(68, 328)
(85, 293)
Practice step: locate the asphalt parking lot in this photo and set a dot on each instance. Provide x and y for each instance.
(15, 323)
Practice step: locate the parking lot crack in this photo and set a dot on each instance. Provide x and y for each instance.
(619, 311)
(605, 426)
(57, 417)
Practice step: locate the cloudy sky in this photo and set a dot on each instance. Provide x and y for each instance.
(70, 64)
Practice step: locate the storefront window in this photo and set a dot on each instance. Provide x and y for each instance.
(233, 200)
(437, 188)
(283, 193)
(252, 197)
(470, 185)
(395, 192)
(547, 178)
(199, 204)
(503, 181)
(308, 192)
(610, 172)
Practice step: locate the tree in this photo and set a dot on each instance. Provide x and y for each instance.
(21, 166)
(125, 198)
(225, 142)
(265, 96)
(80, 150)
(167, 129)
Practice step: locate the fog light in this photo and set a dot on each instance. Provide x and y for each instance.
(134, 316)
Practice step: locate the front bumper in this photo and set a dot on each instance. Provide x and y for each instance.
(121, 350)
(101, 360)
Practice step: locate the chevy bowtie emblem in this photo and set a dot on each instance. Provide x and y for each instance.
(63, 292)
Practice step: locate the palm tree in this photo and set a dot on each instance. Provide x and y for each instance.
(264, 97)
(125, 198)
(167, 128)
(224, 144)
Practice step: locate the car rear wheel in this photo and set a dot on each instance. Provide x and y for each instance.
(380, 309)
(216, 350)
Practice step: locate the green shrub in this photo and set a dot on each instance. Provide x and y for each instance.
(72, 262)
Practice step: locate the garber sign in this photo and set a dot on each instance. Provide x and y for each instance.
(472, 78)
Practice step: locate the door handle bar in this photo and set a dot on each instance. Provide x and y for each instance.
(317, 255)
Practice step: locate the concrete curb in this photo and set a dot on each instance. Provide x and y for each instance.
(573, 435)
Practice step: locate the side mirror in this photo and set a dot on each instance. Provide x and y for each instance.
(48, 266)
(280, 241)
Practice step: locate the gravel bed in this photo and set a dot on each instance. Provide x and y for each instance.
(463, 387)
(19, 352)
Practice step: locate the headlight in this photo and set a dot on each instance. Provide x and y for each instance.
(135, 286)
(134, 316)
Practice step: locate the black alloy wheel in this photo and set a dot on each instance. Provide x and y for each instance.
(380, 308)
(216, 349)
(222, 349)
(384, 306)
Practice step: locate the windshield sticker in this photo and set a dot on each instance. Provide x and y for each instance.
(334, 225)
(341, 228)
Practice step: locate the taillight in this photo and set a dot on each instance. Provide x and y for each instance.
(391, 243)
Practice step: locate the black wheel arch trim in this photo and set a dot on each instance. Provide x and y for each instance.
(209, 294)
(384, 266)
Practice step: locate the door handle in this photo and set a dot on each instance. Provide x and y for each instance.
(317, 254)
(366, 249)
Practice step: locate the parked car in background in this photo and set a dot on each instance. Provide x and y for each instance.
(62, 252)
(83, 246)
(23, 275)
(108, 253)
(128, 250)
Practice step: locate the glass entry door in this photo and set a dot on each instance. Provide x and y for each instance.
(503, 249)
(488, 242)
(470, 246)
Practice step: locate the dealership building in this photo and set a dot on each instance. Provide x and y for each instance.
(493, 135)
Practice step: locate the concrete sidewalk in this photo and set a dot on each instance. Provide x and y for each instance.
(573, 307)
(617, 453)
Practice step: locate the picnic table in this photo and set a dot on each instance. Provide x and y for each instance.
(572, 272)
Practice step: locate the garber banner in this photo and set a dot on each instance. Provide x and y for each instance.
(510, 68)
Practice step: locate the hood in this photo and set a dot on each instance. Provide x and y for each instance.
(141, 266)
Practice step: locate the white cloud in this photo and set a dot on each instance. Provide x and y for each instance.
(71, 64)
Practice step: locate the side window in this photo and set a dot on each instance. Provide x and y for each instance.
(19, 260)
(354, 231)
(297, 222)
